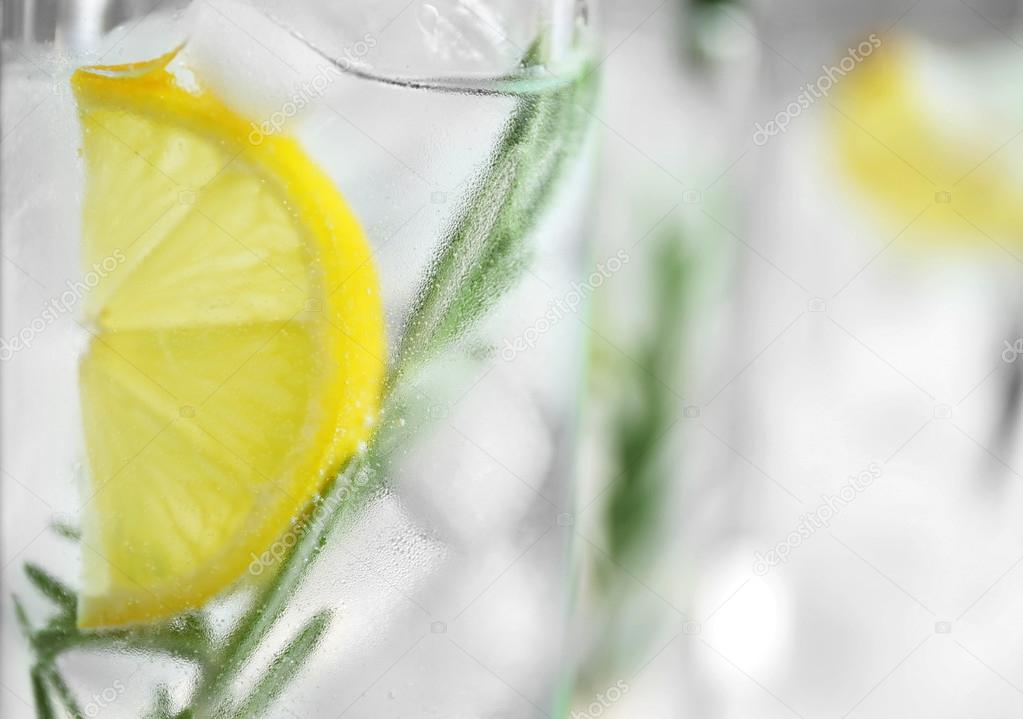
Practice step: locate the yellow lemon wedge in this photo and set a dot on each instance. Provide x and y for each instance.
(236, 352)
(901, 149)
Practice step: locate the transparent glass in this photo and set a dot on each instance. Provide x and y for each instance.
(428, 573)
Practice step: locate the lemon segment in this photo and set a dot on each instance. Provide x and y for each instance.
(237, 350)
(894, 146)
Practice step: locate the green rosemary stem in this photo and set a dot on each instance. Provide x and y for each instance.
(344, 492)
(483, 255)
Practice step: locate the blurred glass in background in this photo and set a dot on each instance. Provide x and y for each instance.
(824, 511)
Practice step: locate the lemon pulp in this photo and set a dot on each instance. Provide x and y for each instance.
(237, 349)
(898, 152)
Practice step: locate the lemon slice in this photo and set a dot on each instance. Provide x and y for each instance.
(237, 342)
(898, 148)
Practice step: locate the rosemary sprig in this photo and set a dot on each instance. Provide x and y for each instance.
(51, 587)
(633, 510)
(66, 531)
(454, 295)
(485, 254)
(641, 414)
(284, 667)
(44, 675)
(41, 695)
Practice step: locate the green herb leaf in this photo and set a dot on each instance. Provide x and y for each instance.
(41, 695)
(22, 616)
(284, 667)
(67, 531)
(54, 589)
(63, 692)
(62, 635)
(648, 414)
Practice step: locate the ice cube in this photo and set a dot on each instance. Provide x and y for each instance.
(252, 63)
(480, 469)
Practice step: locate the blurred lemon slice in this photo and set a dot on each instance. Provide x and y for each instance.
(237, 341)
(912, 131)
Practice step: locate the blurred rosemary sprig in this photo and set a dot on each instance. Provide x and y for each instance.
(637, 414)
(703, 22)
(645, 413)
(482, 256)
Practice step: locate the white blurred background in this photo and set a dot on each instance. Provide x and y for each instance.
(837, 485)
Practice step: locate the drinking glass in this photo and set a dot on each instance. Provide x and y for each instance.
(430, 573)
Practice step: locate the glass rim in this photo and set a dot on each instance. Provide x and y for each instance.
(76, 25)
